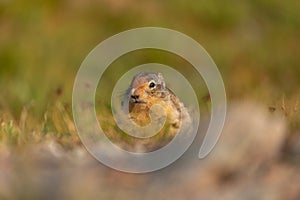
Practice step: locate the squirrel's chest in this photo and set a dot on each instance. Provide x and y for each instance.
(140, 113)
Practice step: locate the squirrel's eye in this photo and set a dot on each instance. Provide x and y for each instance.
(151, 85)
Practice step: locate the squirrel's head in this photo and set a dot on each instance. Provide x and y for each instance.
(147, 87)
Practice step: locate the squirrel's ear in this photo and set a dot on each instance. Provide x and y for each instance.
(160, 76)
(161, 79)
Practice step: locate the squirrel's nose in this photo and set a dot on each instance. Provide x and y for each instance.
(135, 96)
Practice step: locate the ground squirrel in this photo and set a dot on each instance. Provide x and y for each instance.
(147, 89)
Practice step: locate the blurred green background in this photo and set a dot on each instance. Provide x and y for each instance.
(255, 43)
